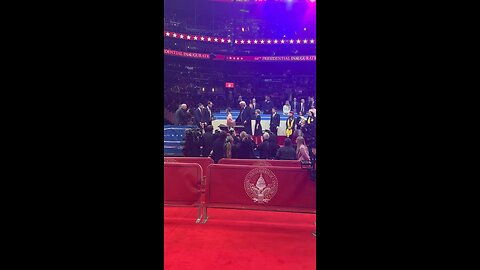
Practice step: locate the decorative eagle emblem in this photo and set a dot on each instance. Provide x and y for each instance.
(261, 185)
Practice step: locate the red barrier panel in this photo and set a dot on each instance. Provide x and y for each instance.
(261, 188)
(182, 183)
(202, 161)
(261, 162)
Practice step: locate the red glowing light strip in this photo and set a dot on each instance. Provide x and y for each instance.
(261, 41)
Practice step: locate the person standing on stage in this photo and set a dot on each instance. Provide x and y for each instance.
(311, 103)
(290, 125)
(181, 116)
(258, 127)
(251, 110)
(287, 108)
(267, 105)
(230, 122)
(298, 120)
(274, 121)
(295, 105)
(198, 116)
(208, 116)
(303, 107)
(255, 104)
(245, 118)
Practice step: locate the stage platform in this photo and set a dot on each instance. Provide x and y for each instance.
(221, 118)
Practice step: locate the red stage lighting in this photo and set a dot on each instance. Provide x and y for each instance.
(229, 85)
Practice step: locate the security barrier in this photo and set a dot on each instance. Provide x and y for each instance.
(182, 185)
(204, 162)
(261, 162)
(267, 188)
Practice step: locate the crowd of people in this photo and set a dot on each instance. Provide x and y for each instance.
(252, 142)
(222, 144)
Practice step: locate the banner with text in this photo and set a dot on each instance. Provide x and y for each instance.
(219, 57)
(186, 54)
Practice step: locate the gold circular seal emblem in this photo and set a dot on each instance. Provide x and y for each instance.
(261, 185)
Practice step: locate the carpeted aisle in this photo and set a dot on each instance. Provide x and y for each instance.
(238, 239)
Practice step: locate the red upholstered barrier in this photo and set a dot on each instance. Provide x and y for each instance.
(262, 188)
(202, 161)
(261, 162)
(182, 183)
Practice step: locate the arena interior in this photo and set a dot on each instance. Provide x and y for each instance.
(240, 134)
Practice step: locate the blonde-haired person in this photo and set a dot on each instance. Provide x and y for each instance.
(228, 146)
(302, 149)
(230, 121)
(286, 108)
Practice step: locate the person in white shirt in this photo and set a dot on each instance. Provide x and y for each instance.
(286, 108)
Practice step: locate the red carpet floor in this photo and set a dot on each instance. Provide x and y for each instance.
(238, 239)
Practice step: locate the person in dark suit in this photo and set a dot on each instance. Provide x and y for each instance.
(298, 120)
(263, 148)
(310, 128)
(295, 105)
(303, 107)
(267, 105)
(287, 152)
(258, 126)
(208, 115)
(255, 104)
(207, 141)
(245, 147)
(181, 117)
(311, 103)
(198, 116)
(274, 121)
(218, 149)
(272, 146)
(245, 118)
(251, 110)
